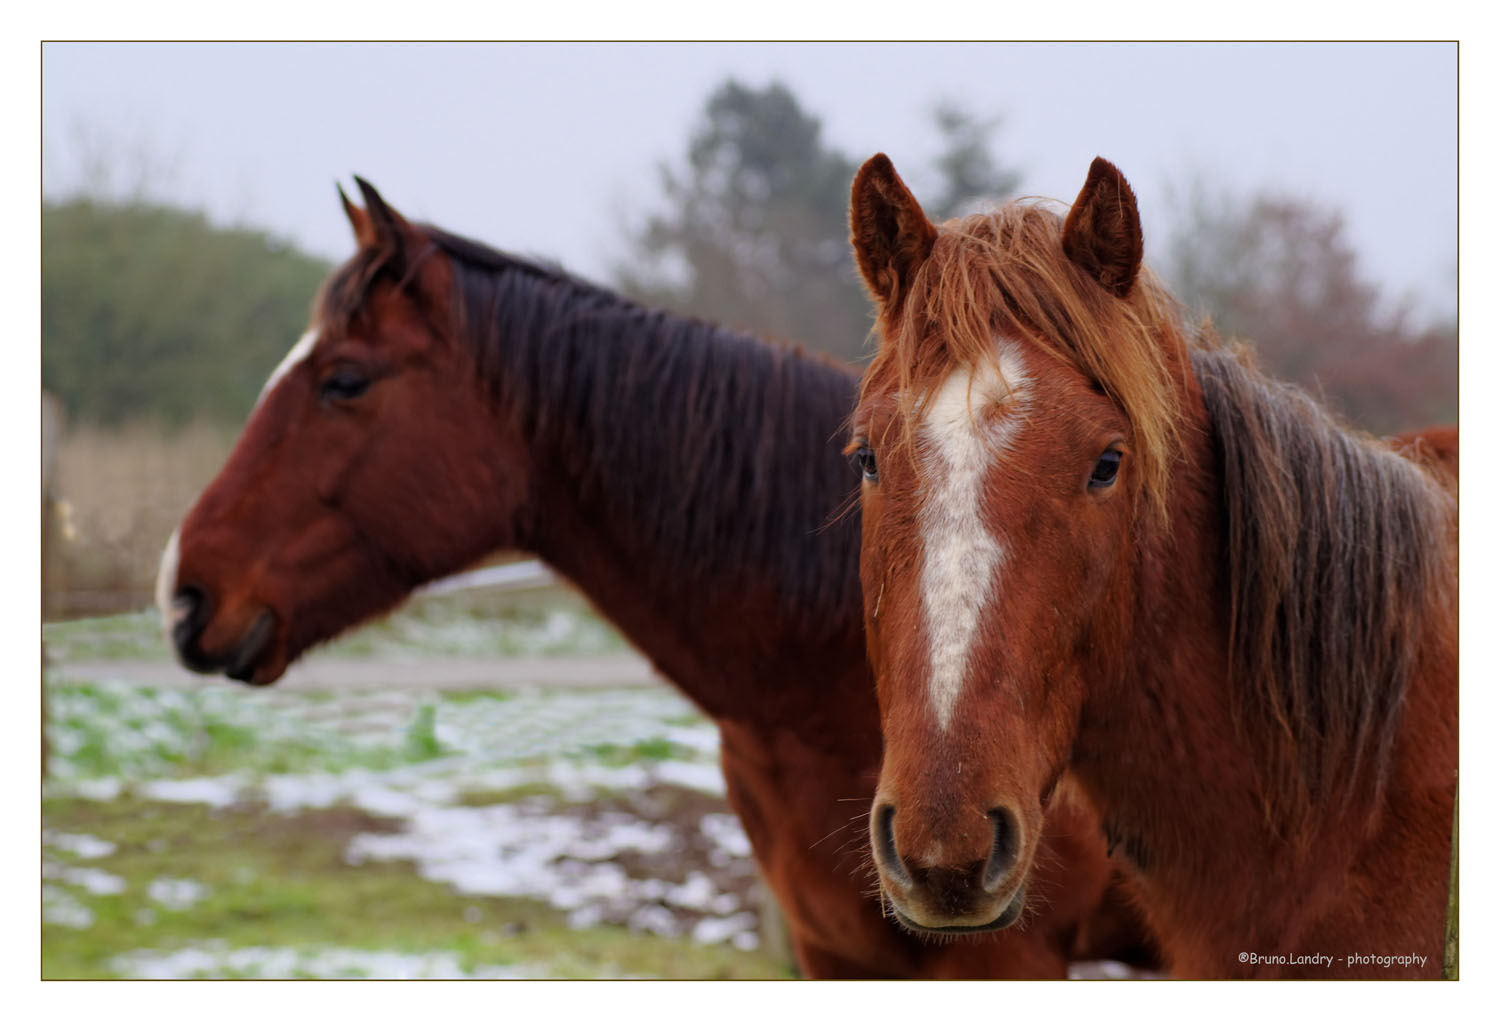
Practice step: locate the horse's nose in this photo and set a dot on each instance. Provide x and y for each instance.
(951, 878)
(1004, 849)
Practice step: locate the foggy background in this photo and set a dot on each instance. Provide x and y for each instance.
(548, 148)
(1304, 195)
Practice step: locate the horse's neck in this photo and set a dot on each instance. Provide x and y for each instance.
(1168, 813)
(1213, 863)
(740, 631)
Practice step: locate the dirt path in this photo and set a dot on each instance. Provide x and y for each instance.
(439, 673)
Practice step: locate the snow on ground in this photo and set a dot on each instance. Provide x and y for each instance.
(574, 861)
(605, 842)
(84, 846)
(115, 728)
(176, 893)
(217, 962)
(62, 907)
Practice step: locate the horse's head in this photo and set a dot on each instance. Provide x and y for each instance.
(372, 462)
(1003, 478)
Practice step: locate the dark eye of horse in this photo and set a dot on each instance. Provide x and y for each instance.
(1105, 470)
(344, 385)
(865, 459)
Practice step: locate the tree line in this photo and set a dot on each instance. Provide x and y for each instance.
(152, 312)
(149, 311)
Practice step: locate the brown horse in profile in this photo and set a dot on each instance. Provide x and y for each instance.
(450, 400)
(1106, 560)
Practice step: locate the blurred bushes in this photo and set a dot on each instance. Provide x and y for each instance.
(151, 312)
(1281, 272)
(158, 331)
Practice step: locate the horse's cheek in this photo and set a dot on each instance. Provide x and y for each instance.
(339, 459)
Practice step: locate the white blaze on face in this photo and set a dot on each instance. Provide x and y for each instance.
(300, 351)
(960, 558)
(166, 586)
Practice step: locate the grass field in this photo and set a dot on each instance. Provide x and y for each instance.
(219, 831)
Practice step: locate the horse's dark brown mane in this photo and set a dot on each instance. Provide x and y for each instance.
(719, 449)
(1337, 550)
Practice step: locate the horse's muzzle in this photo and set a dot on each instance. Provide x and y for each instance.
(192, 610)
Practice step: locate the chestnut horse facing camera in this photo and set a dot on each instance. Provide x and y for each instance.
(1106, 560)
(449, 401)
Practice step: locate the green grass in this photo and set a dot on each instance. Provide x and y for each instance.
(132, 731)
(548, 622)
(279, 881)
(652, 750)
(111, 729)
(136, 773)
(120, 637)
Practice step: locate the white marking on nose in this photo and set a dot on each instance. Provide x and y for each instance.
(300, 351)
(960, 556)
(166, 586)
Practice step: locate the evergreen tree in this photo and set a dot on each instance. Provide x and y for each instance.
(754, 233)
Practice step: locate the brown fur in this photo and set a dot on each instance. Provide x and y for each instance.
(686, 478)
(1242, 652)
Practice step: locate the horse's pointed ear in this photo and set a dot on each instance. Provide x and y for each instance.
(891, 235)
(1102, 234)
(389, 227)
(364, 230)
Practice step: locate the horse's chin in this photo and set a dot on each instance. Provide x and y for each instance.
(257, 676)
(259, 658)
(1007, 917)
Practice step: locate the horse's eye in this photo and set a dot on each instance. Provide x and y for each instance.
(865, 459)
(344, 385)
(1105, 470)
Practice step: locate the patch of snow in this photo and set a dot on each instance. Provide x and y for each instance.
(716, 930)
(218, 792)
(293, 963)
(1107, 969)
(95, 789)
(95, 881)
(724, 830)
(176, 894)
(84, 846)
(655, 919)
(705, 777)
(61, 907)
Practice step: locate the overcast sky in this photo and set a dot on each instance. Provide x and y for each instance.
(550, 148)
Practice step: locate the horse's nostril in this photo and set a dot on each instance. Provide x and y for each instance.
(885, 845)
(1006, 847)
(189, 611)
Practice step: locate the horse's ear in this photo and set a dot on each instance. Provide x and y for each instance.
(891, 235)
(388, 226)
(380, 225)
(386, 220)
(359, 220)
(1102, 234)
(404, 249)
